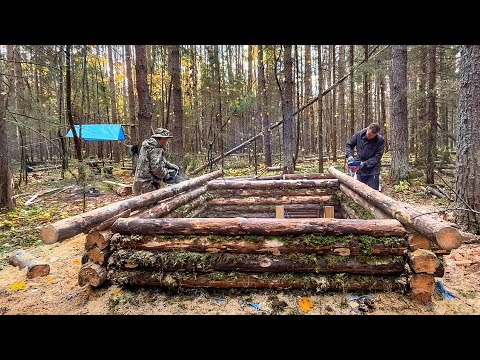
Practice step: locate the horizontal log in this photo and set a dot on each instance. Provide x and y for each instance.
(330, 200)
(92, 274)
(72, 226)
(307, 176)
(377, 213)
(243, 226)
(208, 262)
(232, 214)
(24, 259)
(444, 234)
(343, 246)
(237, 178)
(262, 208)
(107, 223)
(271, 192)
(349, 212)
(168, 206)
(319, 283)
(418, 241)
(185, 210)
(272, 184)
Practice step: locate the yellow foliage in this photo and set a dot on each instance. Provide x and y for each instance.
(305, 304)
(18, 286)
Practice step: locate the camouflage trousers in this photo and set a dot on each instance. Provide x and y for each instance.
(140, 187)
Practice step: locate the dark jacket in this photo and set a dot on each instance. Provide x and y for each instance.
(368, 151)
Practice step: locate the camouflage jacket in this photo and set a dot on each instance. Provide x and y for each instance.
(152, 165)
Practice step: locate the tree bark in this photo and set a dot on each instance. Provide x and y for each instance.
(288, 150)
(352, 96)
(432, 115)
(201, 263)
(341, 95)
(113, 101)
(72, 226)
(467, 175)
(262, 111)
(239, 226)
(272, 184)
(145, 109)
(273, 192)
(131, 105)
(22, 259)
(178, 123)
(168, 206)
(442, 233)
(320, 110)
(6, 180)
(399, 168)
(346, 246)
(239, 280)
(263, 200)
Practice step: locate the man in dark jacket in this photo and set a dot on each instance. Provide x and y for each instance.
(370, 147)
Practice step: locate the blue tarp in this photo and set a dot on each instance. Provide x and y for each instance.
(99, 132)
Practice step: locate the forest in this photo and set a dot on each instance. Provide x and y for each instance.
(273, 103)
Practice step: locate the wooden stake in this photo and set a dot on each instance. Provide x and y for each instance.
(329, 212)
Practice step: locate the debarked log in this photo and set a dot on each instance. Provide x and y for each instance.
(377, 213)
(275, 245)
(263, 208)
(71, 226)
(302, 263)
(320, 283)
(274, 200)
(272, 184)
(307, 176)
(255, 226)
(444, 234)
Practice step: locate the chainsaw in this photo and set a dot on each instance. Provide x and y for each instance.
(353, 167)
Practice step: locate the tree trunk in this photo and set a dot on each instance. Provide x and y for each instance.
(341, 96)
(6, 180)
(288, 150)
(442, 233)
(422, 109)
(399, 168)
(383, 113)
(68, 88)
(22, 259)
(467, 175)
(204, 262)
(320, 110)
(72, 226)
(262, 111)
(145, 110)
(113, 102)
(239, 226)
(178, 124)
(239, 280)
(366, 93)
(352, 96)
(432, 115)
(334, 128)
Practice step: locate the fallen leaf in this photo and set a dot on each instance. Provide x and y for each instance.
(77, 261)
(305, 304)
(18, 286)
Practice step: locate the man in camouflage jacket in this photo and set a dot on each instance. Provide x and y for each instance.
(152, 167)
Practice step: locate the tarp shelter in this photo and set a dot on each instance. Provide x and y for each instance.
(99, 132)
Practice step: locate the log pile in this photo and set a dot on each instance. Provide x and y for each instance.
(315, 261)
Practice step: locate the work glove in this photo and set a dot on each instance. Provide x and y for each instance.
(350, 159)
(175, 167)
(362, 164)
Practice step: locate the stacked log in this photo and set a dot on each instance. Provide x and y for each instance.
(316, 261)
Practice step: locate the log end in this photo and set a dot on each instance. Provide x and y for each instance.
(49, 234)
(38, 270)
(449, 238)
(92, 274)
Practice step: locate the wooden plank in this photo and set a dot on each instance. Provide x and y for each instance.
(280, 212)
(329, 211)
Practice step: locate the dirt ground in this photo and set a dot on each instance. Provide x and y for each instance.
(59, 292)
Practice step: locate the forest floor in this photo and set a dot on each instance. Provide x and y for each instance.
(59, 292)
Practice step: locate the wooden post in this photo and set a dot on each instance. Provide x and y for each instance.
(329, 211)
(280, 212)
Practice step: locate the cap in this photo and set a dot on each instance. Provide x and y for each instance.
(162, 133)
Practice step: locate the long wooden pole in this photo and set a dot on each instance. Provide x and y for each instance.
(72, 226)
(442, 233)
